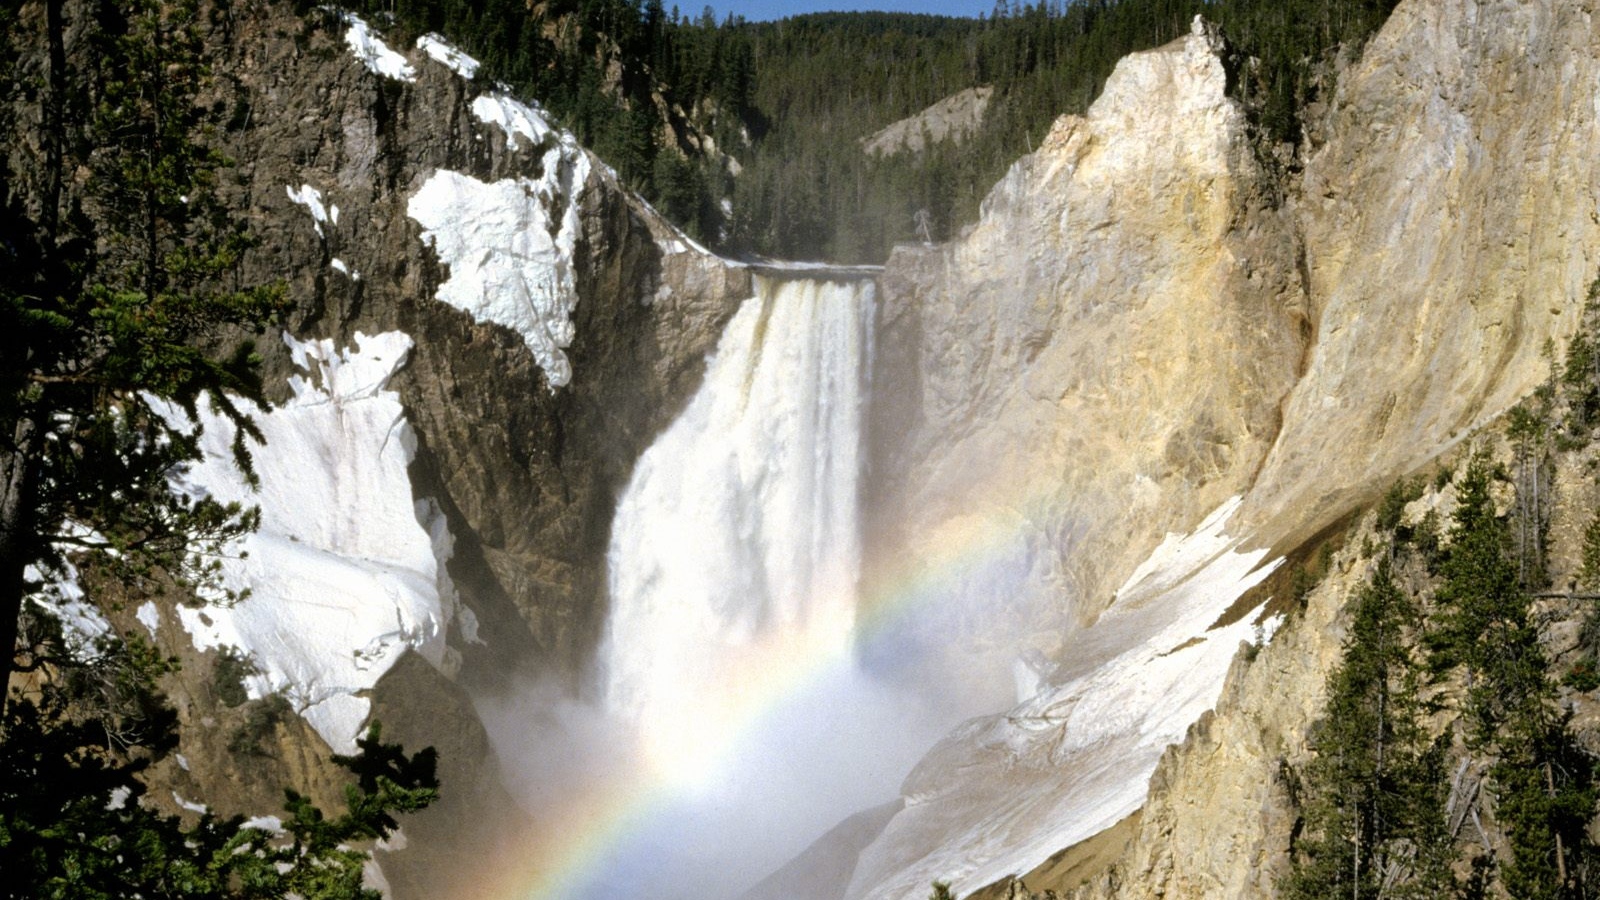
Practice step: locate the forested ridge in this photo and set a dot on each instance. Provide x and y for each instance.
(748, 135)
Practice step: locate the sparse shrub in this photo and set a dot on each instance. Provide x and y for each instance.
(261, 719)
(1393, 504)
(1305, 577)
(1442, 478)
(1425, 537)
(1589, 573)
(1582, 677)
(229, 669)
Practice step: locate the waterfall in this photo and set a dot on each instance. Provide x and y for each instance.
(735, 548)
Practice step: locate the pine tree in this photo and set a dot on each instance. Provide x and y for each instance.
(1478, 615)
(1542, 783)
(117, 310)
(1372, 796)
(73, 827)
(1589, 572)
(118, 317)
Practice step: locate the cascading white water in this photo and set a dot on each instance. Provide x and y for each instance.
(735, 549)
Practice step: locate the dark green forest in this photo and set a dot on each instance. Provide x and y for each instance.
(645, 86)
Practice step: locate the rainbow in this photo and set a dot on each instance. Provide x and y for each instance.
(577, 838)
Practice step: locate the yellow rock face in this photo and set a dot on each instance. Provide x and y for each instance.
(1133, 334)
(1450, 230)
(1098, 362)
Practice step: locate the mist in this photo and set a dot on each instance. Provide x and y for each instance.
(840, 744)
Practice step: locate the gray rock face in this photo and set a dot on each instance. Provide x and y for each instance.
(527, 473)
(955, 117)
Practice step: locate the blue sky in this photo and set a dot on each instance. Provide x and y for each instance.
(764, 10)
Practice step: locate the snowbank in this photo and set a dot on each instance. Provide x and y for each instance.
(374, 53)
(510, 245)
(347, 570)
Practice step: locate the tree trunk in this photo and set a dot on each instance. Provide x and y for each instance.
(1561, 851)
(18, 478)
(54, 122)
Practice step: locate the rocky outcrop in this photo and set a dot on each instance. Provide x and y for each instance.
(1098, 362)
(1450, 231)
(954, 118)
(526, 472)
(1451, 205)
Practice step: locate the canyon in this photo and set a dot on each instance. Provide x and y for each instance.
(716, 578)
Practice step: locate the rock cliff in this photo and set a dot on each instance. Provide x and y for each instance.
(526, 470)
(954, 118)
(1139, 333)
(1449, 231)
(1099, 361)
(522, 420)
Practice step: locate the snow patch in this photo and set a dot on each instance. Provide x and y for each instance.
(344, 575)
(1269, 629)
(515, 118)
(271, 824)
(374, 53)
(190, 805)
(119, 798)
(149, 617)
(509, 245)
(373, 879)
(1080, 752)
(339, 265)
(311, 199)
(61, 594)
(448, 55)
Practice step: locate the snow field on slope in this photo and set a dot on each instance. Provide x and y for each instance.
(448, 55)
(1077, 756)
(346, 571)
(510, 244)
(62, 595)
